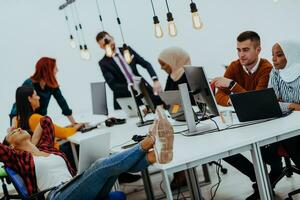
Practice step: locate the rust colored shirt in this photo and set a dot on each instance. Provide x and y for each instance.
(244, 81)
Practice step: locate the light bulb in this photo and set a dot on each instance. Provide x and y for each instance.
(172, 29)
(81, 51)
(275, 1)
(72, 42)
(86, 54)
(197, 23)
(171, 25)
(108, 50)
(157, 28)
(127, 56)
(82, 54)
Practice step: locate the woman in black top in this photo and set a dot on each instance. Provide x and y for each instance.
(172, 60)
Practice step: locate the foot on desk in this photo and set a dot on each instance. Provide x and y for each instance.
(128, 178)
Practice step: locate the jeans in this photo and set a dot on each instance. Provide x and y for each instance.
(97, 181)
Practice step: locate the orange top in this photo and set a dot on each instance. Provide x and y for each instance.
(244, 81)
(60, 132)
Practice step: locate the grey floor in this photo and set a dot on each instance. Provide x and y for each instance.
(234, 186)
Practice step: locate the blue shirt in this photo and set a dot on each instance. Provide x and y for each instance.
(45, 96)
(288, 92)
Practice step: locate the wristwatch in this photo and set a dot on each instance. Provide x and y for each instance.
(231, 84)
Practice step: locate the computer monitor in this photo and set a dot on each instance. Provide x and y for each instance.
(146, 95)
(201, 89)
(99, 102)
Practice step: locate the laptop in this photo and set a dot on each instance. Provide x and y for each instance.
(91, 149)
(128, 106)
(256, 105)
(99, 102)
(172, 99)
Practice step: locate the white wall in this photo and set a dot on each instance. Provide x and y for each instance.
(34, 28)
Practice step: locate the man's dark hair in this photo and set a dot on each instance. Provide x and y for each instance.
(249, 35)
(101, 35)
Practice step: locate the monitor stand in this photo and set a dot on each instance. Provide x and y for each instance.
(142, 122)
(201, 128)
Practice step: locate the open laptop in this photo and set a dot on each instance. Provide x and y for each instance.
(99, 101)
(128, 106)
(174, 105)
(256, 105)
(91, 149)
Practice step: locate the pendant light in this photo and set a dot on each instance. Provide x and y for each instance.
(171, 24)
(85, 54)
(77, 33)
(72, 41)
(158, 32)
(197, 23)
(126, 53)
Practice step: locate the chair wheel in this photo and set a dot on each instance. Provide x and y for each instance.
(224, 170)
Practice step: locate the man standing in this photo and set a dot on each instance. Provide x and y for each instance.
(118, 74)
(248, 73)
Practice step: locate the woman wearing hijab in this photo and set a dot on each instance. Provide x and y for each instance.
(285, 80)
(172, 61)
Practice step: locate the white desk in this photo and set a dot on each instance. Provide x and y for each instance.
(190, 152)
(205, 148)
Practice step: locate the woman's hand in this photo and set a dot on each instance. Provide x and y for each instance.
(77, 126)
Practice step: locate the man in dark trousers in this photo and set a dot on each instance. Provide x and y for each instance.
(119, 74)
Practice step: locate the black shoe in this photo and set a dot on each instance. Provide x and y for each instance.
(128, 178)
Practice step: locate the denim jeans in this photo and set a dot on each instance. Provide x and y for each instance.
(97, 181)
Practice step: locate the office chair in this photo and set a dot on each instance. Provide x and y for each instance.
(289, 169)
(5, 180)
(20, 186)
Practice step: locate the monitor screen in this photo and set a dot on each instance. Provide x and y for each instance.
(201, 89)
(144, 90)
(99, 102)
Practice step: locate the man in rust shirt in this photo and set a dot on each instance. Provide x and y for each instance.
(248, 73)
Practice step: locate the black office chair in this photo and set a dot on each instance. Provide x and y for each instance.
(288, 170)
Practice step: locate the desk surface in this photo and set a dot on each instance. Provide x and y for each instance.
(193, 148)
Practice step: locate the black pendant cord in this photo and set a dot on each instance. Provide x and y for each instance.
(153, 8)
(100, 16)
(79, 24)
(67, 21)
(167, 5)
(119, 21)
(76, 28)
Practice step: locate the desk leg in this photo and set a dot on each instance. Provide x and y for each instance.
(192, 179)
(75, 156)
(167, 185)
(147, 184)
(261, 174)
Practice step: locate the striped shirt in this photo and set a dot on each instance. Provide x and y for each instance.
(288, 92)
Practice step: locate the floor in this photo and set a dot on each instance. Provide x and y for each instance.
(234, 186)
